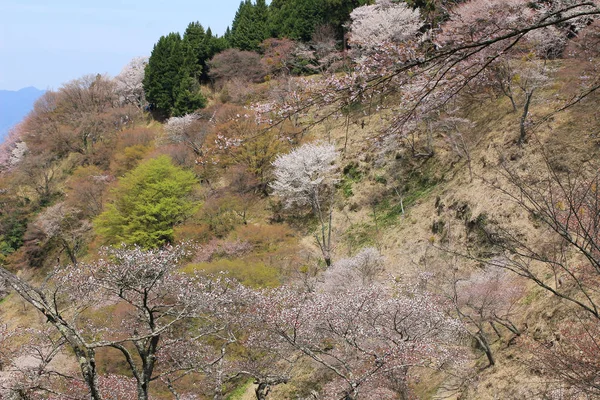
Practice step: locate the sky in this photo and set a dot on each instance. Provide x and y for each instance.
(47, 43)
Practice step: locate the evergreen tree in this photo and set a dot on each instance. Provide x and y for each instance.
(296, 19)
(193, 50)
(249, 27)
(337, 13)
(261, 19)
(162, 73)
(188, 97)
(212, 46)
(199, 47)
(227, 36)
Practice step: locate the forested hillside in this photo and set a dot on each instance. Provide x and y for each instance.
(334, 200)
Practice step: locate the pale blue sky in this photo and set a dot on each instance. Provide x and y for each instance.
(46, 43)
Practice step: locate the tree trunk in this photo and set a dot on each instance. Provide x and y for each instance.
(85, 354)
(264, 385)
(70, 251)
(522, 136)
(261, 391)
(486, 348)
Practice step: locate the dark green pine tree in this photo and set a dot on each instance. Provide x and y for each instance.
(162, 74)
(337, 13)
(193, 49)
(199, 47)
(261, 19)
(188, 97)
(296, 19)
(211, 46)
(227, 37)
(249, 27)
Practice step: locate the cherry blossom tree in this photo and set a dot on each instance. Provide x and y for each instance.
(171, 323)
(278, 55)
(306, 178)
(485, 299)
(572, 356)
(12, 149)
(368, 337)
(45, 302)
(564, 263)
(191, 130)
(159, 300)
(364, 267)
(425, 73)
(33, 371)
(64, 225)
(383, 22)
(568, 206)
(130, 82)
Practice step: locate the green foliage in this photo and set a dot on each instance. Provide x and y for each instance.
(14, 215)
(126, 159)
(161, 79)
(14, 228)
(253, 274)
(176, 67)
(380, 179)
(199, 47)
(194, 49)
(361, 235)
(188, 98)
(147, 203)
(351, 174)
(249, 27)
(296, 19)
(222, 215)
(337, 13)
(239, 392)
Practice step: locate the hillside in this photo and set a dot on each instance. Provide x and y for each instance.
(419, 219)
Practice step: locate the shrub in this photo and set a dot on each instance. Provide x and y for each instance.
(233, 63)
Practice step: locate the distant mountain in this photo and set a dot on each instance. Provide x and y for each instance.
(14, 105)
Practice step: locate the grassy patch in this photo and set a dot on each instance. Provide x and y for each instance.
(361, 235)
(239, 392)
(532, 296)
(351, 175)
(396, 203)
(253, 274)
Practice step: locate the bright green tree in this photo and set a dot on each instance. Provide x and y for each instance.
(147, 203)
